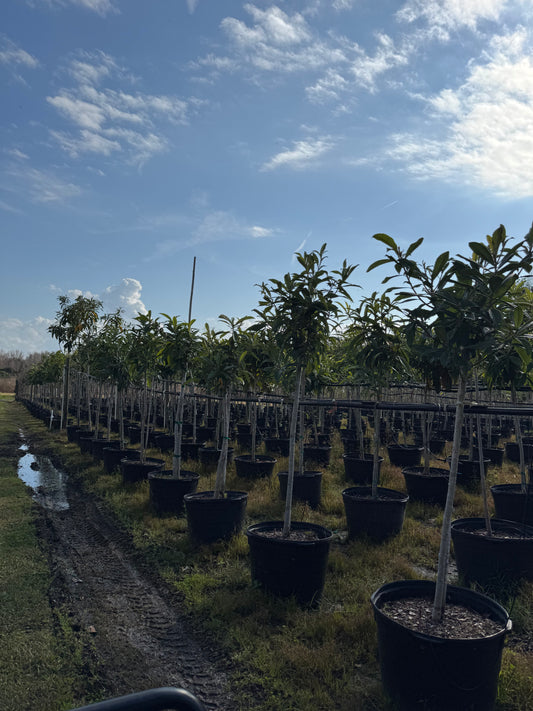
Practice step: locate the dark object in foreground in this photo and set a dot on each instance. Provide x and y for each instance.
(166, 697)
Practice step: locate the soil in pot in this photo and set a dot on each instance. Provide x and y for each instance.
(359, 469)
(377, 518)
(513, 503)
(307, 487)
(430, 487)
(494, 562)
(421, 669)
(211, 519)
(295, 565)
(134, 471)
(405, 455)
(262, 467)
(167, 491)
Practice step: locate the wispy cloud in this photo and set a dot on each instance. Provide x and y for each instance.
(40, 186)
(100, 7)
(14, 56)
(106, 120)
(481, 130)
(26, 336)
(452, 15)
(302, 155)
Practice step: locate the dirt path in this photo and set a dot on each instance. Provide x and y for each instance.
(138, 638)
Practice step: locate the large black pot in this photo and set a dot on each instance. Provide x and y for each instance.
(164, 441)
(496, 562)
(98, 446)
(427, 673)
(468, 473)
(277, 445)
(513, 503)
(263, 466)
(85, 442)
(318, 454)
(167, 491)
(190, 450)
(378, 518)
(209, 456)
(133, 470)
(114, 455)
(211, 519)
(359, 469)
(286, 567)
(307, 487)
(430, 487)
(405, 455)
(512, 452)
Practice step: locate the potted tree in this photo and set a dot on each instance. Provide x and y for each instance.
(144, 346)
(457, 305)
(219, 514)
(73, 319)
(374, 340)
(169, 486)
(287, 557)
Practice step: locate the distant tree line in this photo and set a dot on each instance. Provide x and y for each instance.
(14, 365)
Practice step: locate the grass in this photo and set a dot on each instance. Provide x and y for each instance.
(40, 662)
(286, 658)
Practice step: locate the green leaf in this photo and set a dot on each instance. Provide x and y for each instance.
(413, 246)
(380, 237)
(481, 250)
(378, 263)
(440, 263)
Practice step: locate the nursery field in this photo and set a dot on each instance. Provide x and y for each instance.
(129, 601)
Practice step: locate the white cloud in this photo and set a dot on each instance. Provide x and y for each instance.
(452, 14)
(100, 7)
(27, 336)
(125, 295)
(38, 185)
(191, 4)
(482, 129)
(13, 55)
(303, 154)
(366, 69)
(106, 120)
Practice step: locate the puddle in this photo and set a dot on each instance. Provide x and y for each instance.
(48, 483)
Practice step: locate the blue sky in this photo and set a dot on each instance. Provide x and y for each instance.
(138, 134)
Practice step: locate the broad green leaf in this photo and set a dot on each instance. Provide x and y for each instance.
(378, 263)
(481, 250)
(440, 263)
(414, 246)
(380, 237)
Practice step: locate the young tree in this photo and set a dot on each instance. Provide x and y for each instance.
(299, 311)
(458, 305)
(73, 320)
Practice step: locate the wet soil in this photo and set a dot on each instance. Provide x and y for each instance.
(131, 626)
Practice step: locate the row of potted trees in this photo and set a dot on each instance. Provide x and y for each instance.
(450, 320)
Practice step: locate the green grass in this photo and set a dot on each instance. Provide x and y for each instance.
(39, 667)
(286, 658)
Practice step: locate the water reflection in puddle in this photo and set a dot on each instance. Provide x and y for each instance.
(47, 482)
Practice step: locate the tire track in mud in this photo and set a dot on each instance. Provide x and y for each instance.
(140, 637)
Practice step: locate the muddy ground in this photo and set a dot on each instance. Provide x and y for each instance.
(131, 627)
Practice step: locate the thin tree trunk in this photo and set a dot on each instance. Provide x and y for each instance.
(292, 447)
(445, 539)
(220, 482)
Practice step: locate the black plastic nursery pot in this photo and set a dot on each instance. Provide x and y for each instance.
(85, 442)
(492, 562)
(133, 470)
(513, 503)
(512, 452)
(290, 566)
(378, 518)
(190, 450)
(98, 446)
(430, 673)
(167, 491)
(307, 487)
(278, 445)
(209, 456)
(211, 519)
(468, 473)
(261, 467)
(359, 469)
(430, 487)
(405, 455)
(112, 457)
(318, 454)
